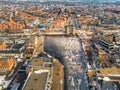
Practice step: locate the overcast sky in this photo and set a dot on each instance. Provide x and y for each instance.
(67, 0)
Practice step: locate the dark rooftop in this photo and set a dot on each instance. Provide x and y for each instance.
(42, 54)
(10, 51)
(18, 46)
(4, 58)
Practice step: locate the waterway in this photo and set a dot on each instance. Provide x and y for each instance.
(69, 51)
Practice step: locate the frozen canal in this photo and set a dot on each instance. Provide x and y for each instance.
(70, 53)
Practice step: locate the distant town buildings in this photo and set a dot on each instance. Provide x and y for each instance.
(93, 27)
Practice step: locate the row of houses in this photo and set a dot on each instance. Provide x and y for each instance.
(11, 57)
